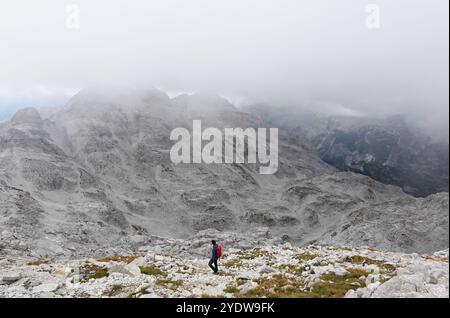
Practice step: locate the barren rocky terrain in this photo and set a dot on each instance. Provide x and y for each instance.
(94, 180)
(178, 268)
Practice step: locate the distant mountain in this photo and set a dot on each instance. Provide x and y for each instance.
(96, 176)
(388, 150)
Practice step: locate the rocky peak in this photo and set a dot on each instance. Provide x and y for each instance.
(98, 102)
(27, 115)
(203, 103)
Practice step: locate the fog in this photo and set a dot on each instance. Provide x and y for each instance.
(319, 55)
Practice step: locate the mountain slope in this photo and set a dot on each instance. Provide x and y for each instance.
(388, 150)
(96, 176)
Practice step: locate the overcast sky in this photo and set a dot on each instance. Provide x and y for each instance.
(296, 53)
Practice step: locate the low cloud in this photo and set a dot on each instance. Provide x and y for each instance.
(310, 54)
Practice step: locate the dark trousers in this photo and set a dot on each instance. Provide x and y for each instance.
(213, 264)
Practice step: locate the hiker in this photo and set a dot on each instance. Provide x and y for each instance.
(216, 253)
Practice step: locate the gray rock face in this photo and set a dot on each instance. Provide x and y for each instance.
(10, 278)
(388, 150)
(417, 280)
(387, 226)
(96, 175)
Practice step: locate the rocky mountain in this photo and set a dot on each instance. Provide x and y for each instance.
(252, 266)
(388, 150)
(95, 178)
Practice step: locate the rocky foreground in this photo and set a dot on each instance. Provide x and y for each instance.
(177, 268)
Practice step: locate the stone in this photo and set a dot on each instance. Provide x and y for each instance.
(339, 271)
(47, 287)
(119, 269)
(373, 286)
(10, 278)
(435, 275)
(133, 269)
(287, 245)
(351, 294)
(266, 270)
(140, 261)
(46, 295)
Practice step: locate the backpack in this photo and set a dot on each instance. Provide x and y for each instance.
(219, 251)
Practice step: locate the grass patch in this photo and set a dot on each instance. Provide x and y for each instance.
(431, 258)
(152, 271)
(306, 256)
(361, 260)
(340, 248)
(280, 286)
(222, 273)
(357, 272)
(277, 286)
(91, 271)
(246, 255)
(210, 296)
(241, 281)
(37, 262)
(115, 290)
(99, 273)
(118, 258)
(291, 269)
(233, 263)
(169, 283)
(254, 253)
(335, 286)
(136, 294)
(231, 289)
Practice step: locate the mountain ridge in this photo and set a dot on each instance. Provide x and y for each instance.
(390, 150)
(96, 175)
